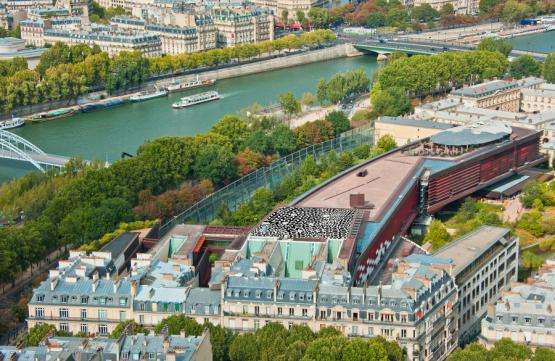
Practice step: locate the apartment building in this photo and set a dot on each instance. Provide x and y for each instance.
(109, 41)
(485, 263)
(539, 99)
(242, 27)
(174, 39)
(127, 347)
(33, 31)
(495, 94)
(26, 4)
(524, 313)
(85, 295)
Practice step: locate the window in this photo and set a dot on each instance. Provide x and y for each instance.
(338, 315)
(291, 311)
(102, 314)
(527, 319)
(323, 314)
(142, 319)
(64, 327)
(64, 313)
(102, 300)
(39, 312)
(280, 311)
(122, 315)
(256, 324)
(84, 299)
(64, 298)
(354, 330)
(355, 316)
(84, 328)
(40, 298)
(123, 301)
(256, 310)
(83, 313)
(305, 312)
(141, 306)
(103, 329)
(403, 333)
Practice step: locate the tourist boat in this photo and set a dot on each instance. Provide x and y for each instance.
(11, 123)
(196, 99)
(147, 95)
(191, 84)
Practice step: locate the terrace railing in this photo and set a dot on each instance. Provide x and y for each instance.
(241, 190)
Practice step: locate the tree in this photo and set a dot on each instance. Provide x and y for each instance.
(285, 16)
(474, 352)
(390, 102)
(131, 328)
(386, 142)
(514, 11)
(319, 17)
(549, 68)
(283, 139)
(486, 5)
(215, 162)
(175, 324)
(244, 348)
(530, 260)
(424, 13)
(289, 104)
(376, 20)
(339, 121)
(233, 128)
(326, 349)
(493, 44)
(308, 99)
(446, 10)
(523, 66)
(506, 349)
(361, 350)
(301, 17)
(543, 354)
(437, 234)
(37, 333)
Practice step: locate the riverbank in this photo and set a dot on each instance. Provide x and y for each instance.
(30, 114)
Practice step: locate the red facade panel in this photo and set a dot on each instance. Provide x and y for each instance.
(397, 223)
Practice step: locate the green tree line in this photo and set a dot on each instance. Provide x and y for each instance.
(421, 75)
(66, 72)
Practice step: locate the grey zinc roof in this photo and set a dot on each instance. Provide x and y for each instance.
(414, 122)
(300, 285)
(469, 247)
(484, 89)
(250, 282)
(471, 135)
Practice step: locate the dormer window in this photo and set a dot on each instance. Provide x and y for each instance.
(257, 293)
(228, 293)
(84, 299)
(292, 296)
(280, 295)
(40, 298)
(301, 296)
(269, 294)
(64, 298)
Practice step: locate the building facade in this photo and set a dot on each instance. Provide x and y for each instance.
(485, 264)
(524, 314)
(236, 28)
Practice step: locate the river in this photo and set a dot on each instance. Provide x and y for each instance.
(540, 42)
(105, 134)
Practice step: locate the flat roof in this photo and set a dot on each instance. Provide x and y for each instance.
(480, 90)
(384, 176)
(119, 244)
(466, 249)
(414, 122)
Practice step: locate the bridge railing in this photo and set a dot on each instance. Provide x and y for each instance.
(241, 190)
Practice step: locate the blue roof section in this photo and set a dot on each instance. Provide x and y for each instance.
(426, 259)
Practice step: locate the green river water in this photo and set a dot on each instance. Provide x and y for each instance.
(105, 134)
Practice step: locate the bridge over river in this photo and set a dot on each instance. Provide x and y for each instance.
(382, 46)
(15, 147)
